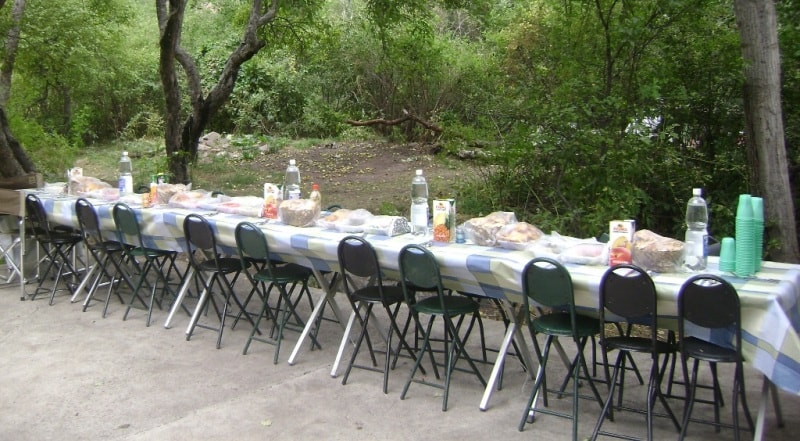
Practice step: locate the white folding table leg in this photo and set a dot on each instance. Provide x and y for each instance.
(498, 365)
(343, 344)
(513, 332)
(329, 296)
(179, 299)
(83, 283)
(197, 310)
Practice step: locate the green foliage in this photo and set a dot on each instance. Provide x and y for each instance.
(51, 153)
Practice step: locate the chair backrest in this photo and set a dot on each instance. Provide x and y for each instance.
(419, 271)
(546, 282)
(36, 215)
(252, 244)
(127, 225)
(711, 302)
(358, 258)
(627, 291)
(200, 242)
(89, 223)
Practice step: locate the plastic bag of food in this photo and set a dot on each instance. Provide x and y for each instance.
(299, 212)
(586, 252)
(87, 186)
(657, 253)
(241, 205)
(518, 236)
(165, 192)
(346, 221)
(189, 199)
(387, 225)
(482, 230)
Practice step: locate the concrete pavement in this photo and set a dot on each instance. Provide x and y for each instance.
(72, 375)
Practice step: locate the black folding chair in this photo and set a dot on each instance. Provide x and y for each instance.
(628, 292)
(143, 260)
(106, 254)
(548, 284)
(710, 302)
(357, 260)
(420, 271)
(253, 246)
(210, 268)
(58, 244)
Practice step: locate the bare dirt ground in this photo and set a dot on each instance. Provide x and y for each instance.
(374, 175)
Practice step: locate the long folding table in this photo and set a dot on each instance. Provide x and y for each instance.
(770, 311)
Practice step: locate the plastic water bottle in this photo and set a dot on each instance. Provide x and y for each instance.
(419, 203)
(291, 181)
(696, 252)
(125, 175)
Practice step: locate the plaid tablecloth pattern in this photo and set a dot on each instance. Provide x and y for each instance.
(770, 312)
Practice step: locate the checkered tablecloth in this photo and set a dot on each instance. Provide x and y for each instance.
(770, 313)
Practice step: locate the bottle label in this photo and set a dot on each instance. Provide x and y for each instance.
(294, 194)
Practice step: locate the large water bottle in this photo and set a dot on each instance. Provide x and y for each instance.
(125, 175)
(291, 181)
(696, 251)
(419, 203)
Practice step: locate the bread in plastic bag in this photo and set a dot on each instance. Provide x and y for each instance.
(518, 236)
(482, 230)
(656, 253)
(299, 212)
(346, 221)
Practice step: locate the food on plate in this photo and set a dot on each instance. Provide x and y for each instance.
(483, 230)
(331, 219)
(241, 205)
(298, 212)
(346, 221)
(657, 253)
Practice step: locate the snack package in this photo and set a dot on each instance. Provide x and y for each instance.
(657, 253)
(483, 230)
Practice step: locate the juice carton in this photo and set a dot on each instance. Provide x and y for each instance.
(272, 199)
(620, 240)
(444, 220)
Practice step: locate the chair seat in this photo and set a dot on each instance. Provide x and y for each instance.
(60, 238)
(109, 246)
(456, 305)
(371, 294)
(559, 323)
(704, 350)
(284, 274)
(638, 344)
(149, 252)
(226, 265)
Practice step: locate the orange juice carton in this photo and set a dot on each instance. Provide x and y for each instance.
(444, 220)
(620, 240)
(272, 199)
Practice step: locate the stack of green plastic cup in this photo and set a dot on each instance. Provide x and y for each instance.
(745, 240)
(758, 232)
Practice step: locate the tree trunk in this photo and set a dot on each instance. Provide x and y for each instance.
(764, 133)
(14, 161)
(10, 50)
(182, 134)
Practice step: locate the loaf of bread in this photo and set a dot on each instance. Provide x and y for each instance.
(656, 253)
(518, 235)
